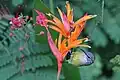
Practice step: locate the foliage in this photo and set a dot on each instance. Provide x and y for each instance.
(103, 24)
(103, 31)
(116, 63)
(38, 62)
(44, 9)
(15, 2)
(73, 72)
(32, 62)
(32, 58)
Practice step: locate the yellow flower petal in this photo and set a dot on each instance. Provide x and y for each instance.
(56, 42)
(60, 12)
(83, 45)
(59, 41)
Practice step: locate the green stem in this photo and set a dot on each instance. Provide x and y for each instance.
(51, 6)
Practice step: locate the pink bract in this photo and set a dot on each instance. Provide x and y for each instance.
(41, 18)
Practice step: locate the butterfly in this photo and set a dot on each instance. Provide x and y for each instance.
(80, 58)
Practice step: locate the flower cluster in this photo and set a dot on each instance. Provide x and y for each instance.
(68, 30)
(17, 22)
(41, 19)
(20, 22)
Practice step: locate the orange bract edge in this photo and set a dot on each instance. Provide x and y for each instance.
(67, 19)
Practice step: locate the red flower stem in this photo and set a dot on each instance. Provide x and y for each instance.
(56, 52)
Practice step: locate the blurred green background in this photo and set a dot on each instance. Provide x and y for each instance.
(40, 64)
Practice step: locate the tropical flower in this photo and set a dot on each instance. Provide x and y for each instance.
(60, 48)
(54, 48)
(67, 24)
(69, 32)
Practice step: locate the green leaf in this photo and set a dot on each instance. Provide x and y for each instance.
(5, 60)
(105, 20)
(116, 76)
(39, 5)
(71, 72)
(102, 41)
(39, 74)
(17, 2)
(111, 27)
(37, 61)
(8, 71)
(116, 60)
(116, 63)
(4, 23)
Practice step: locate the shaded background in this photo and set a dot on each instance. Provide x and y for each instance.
(104, 32)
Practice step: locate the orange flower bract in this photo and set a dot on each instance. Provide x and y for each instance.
(68, 30)
(67, 24)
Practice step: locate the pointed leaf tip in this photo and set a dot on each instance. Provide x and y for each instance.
(92, 16)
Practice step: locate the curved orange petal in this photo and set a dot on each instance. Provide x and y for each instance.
(63, 45)
(57, 29)
(59, 25)
(69, 11)
(70, 16)
(78, 29)
(84, 18)
(76, 43)
(72, 44)
(56, 22)
(65, 51)
(64, 33)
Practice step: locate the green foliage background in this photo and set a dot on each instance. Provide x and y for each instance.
(40, 64)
